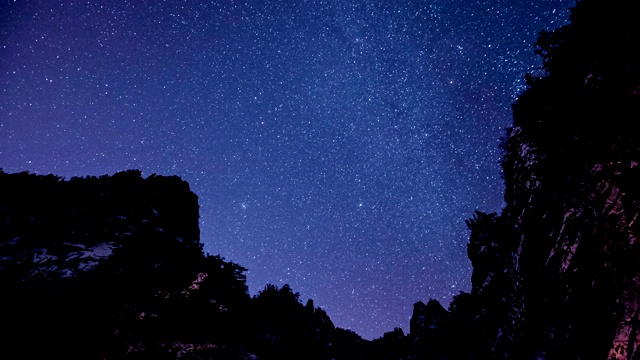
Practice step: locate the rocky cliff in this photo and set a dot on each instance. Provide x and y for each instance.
(111, 267)
(560, 267)
(556, 275)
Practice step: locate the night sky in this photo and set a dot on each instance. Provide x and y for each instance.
(335, 146)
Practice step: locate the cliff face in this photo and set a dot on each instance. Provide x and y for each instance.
(108, 267)
(55, 229)
(556, 275)
(560, 267)
(112, 268)
(574, 267)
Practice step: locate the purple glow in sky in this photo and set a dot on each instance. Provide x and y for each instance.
(335, 146)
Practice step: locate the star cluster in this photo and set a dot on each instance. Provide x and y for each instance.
(335, 146)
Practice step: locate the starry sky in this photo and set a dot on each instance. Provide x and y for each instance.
(335, 145)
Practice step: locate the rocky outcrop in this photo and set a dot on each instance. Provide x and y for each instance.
(559, 268)
(105, 268)
(111, 267)
(556, 275)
